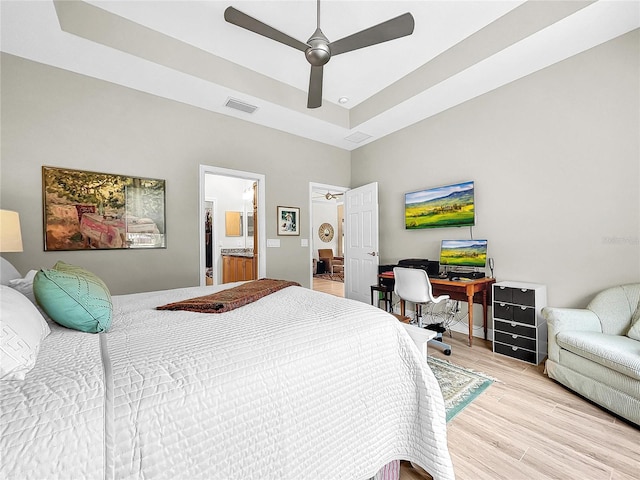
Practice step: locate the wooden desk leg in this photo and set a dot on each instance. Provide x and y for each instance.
(470, 303)
(402, 307)
(484, 312)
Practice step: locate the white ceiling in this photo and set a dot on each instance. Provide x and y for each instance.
(185, 51)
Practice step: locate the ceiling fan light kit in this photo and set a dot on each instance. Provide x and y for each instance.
(318, 49)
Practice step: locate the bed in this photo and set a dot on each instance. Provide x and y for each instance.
(296, 385)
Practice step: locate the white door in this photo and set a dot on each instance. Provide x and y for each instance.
(361, 241)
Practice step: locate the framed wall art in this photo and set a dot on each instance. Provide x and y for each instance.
(90, 210)
(288, 221)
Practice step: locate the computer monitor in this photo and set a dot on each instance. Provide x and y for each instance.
(463, 253)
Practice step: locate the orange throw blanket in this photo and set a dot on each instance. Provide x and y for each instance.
(232, 298)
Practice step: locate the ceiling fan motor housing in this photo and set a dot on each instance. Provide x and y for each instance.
(318, 53)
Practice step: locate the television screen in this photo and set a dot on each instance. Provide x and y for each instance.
(448, 206)
(463, 253)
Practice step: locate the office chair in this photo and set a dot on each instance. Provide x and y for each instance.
(413, 285)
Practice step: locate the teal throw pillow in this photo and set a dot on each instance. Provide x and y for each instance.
(74, 298)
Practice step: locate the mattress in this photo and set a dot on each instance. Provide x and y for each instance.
(297, 385)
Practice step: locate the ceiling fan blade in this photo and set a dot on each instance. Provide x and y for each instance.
(243, 20)
(315, 87)
(391, 29)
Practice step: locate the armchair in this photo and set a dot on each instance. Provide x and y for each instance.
(326, 255)
(595, 352)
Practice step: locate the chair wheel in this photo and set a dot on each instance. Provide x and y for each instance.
(447, 352)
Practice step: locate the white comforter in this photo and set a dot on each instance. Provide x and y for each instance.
(297, 385)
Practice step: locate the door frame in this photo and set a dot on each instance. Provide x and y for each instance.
(262, 236)
(312, 187)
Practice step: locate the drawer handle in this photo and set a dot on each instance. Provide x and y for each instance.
(523, 290)
(515, 349)
(502, 304)
(523, 308)
(502, 288)
(514, 336)
(513, 324)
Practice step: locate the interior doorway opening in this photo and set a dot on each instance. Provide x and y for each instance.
(326, 235)
(232, 219)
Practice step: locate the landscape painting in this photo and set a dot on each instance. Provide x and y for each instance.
(90, 210)
(448, 206)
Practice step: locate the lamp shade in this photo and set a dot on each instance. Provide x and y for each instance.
(10, 236)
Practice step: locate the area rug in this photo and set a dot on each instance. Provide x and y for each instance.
(459, 385)
(336, 277)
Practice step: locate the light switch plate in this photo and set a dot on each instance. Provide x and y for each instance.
(273, 242)
(304, 242)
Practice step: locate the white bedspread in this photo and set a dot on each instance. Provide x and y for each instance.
(298, 385)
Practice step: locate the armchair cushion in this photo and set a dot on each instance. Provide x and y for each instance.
(325, 253)
(634, 331)
(615, 307)
(616, 352)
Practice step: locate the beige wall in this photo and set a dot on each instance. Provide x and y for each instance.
(57, 118)
(555, 157)
(556, 162)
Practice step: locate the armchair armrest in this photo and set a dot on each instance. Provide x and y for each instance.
(564, 319)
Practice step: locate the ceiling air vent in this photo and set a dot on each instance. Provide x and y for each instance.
(357, 137)
(238, 105)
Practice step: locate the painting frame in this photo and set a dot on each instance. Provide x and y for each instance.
(87, 210)
(288, 219)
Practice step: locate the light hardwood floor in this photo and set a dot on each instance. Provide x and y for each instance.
(328, 286)
(528, 427)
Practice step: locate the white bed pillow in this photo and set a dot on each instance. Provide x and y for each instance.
(25, 285)
(7, 271)
(22, 328)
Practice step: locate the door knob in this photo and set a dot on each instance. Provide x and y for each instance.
(373, 254)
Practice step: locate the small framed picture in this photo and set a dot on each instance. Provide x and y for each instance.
(288, 221)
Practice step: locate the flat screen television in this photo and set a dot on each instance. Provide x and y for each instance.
(447, 206)
(463, 253)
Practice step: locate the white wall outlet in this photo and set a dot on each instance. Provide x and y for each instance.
(304, 242)
(273, 242)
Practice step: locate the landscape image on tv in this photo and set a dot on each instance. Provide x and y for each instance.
(448, 206)
(464, 253)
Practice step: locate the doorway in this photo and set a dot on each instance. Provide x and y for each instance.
(242, 208)
(326, 204)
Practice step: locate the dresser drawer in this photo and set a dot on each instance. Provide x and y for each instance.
(514, 329)
(515, 340)
(503, 294)
(524, 296)
(515, 352)
(524, 315)
(503, 311)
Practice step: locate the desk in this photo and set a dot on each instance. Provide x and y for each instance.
(465, 291)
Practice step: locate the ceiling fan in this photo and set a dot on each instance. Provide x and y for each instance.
(318, 49)
(332, 196)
